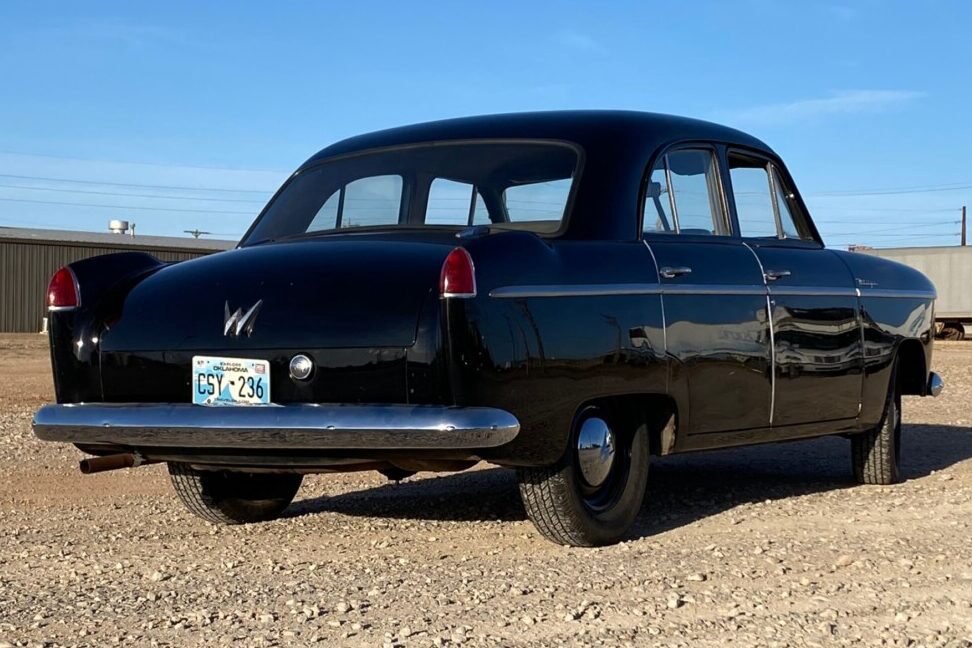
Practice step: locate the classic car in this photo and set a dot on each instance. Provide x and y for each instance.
(567, 294)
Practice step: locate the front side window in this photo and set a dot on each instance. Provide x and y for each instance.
(764, 206)
(506, 185)
(683, 195)
(754, 202)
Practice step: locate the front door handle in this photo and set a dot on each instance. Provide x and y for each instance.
(670, 273)
(773, 275)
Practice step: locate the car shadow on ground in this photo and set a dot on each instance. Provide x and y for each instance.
(681, 489)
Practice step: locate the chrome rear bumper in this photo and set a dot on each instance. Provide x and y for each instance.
(305, 426)
(935, 384)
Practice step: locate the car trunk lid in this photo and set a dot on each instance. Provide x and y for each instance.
(323, 293)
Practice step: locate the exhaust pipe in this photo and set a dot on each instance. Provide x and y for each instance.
(112, 462)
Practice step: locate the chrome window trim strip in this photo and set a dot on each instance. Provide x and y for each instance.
(297, 426)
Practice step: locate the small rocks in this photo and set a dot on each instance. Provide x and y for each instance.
(757, 546)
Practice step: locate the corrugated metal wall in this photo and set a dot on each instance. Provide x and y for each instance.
(26, 268)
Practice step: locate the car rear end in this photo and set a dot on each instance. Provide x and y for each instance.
(324, 342)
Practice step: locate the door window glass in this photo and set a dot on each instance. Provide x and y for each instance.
(754, 202)
(784, 198)
(695, 186)
(658, 212)
(683, 195)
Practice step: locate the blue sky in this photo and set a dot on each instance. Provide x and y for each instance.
(124, 107)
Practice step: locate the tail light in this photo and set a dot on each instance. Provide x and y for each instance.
(458, 278)
(63, 294)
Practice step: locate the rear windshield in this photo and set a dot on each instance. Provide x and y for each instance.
(519, 185)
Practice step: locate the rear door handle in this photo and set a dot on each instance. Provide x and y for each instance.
(670, 273)
(773, 275)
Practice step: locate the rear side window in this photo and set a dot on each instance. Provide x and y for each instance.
(522, 185)
(536, 201)
(764, 206)
(367, 201)
(455, 203)
(683, 195)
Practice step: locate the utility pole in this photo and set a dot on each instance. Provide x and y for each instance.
(963, 224)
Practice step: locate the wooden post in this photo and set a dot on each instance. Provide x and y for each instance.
(963, 224)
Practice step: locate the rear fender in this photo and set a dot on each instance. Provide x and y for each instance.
(103, 282)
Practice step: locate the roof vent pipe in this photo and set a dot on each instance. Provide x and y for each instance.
(118, 226)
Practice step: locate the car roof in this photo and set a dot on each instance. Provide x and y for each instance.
(616, 147)
(595, 131)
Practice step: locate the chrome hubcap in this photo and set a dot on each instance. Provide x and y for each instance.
(595, 450)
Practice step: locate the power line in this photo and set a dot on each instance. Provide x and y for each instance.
(131, 195)
(129, 184)
(129, 207)
(889, 192)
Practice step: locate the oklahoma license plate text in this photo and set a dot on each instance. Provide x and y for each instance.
(230, 381)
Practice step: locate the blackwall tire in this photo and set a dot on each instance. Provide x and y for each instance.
(563, 506)
(953, 332)
(228, 497)
(876, 454)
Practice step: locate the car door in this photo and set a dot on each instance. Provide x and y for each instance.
(714, 298)
(813, 299)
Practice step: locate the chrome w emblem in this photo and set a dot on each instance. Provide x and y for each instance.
(239, 323)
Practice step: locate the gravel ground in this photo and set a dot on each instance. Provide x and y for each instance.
(764, 546)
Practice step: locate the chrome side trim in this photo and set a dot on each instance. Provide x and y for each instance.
(574, 290)
(900, 294)
(303, 426)
(713, 289)
(772, 331)
(661, 301)
(608, 290)
(812, 291)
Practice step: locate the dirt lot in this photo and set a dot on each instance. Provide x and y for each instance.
(767, 546)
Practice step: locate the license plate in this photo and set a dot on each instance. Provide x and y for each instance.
(230, 381)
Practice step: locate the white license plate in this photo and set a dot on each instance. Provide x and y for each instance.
(230, 381)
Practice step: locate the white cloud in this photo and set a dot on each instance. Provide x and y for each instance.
(839, 103)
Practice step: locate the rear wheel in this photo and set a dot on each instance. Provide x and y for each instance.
(875, 454)
(953, 331)
(393, 473)
(227, 497)
(594, 493)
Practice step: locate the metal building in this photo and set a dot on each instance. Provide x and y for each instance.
(28, 258)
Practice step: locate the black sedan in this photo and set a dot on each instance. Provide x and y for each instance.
(567, 294)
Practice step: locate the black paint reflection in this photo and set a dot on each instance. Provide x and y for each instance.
(818, 358)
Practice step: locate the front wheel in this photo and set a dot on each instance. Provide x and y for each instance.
(593, 494)
(228, 497)
(875, 454)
